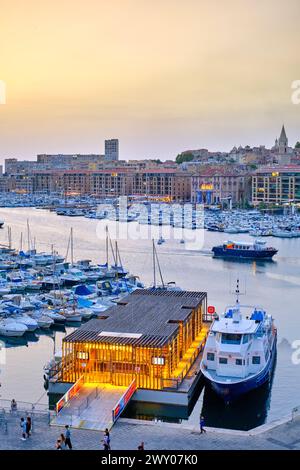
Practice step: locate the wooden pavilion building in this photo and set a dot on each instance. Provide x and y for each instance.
(152, 335)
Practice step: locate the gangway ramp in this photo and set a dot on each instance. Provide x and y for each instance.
(92, 407)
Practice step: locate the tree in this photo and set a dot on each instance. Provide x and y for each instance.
(184, 157)
(297, 146)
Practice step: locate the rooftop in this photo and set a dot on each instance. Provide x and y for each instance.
(279, 169)
(147, 317)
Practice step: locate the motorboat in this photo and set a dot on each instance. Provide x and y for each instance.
(12, 328)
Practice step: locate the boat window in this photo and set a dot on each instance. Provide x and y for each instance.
(223, 360)
(239, 362)
(210, 356)
(256, 360)
(245, 339)
(231, 338)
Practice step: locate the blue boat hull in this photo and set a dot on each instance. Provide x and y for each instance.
(220, 252)
(230, 392)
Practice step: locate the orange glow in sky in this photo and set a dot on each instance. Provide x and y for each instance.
(162, 75)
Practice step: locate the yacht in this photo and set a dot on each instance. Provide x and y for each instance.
(239, 353)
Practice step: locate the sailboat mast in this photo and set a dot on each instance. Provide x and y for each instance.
(106, 245)
(154, 272)
(160, 273)
(72, 247)
(28, 235)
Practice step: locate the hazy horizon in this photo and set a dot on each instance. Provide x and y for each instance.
(162, 79)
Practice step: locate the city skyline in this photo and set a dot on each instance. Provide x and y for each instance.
(192, 75)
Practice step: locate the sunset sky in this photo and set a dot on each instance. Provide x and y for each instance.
(162, 75)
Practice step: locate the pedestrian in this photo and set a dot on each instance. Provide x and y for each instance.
(13, 405)
(28, 426)
(106, 445)
(23, 427)
(202, 423)
(63, 439)
(141, 446)
(68, 437)
(58, 445)
(107, 438)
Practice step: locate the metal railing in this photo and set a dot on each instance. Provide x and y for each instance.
(23, 406)
(87, 401)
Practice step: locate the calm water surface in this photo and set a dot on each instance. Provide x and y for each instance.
(275, 285)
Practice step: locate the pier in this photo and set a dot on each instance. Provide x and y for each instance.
(127, 435)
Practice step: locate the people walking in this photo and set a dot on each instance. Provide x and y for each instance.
(68, 437)
(28, 426)
(63, 440)
(13, 405)
(23, 427)
(106, 444)
(141, 446)
(58, 445)
(107, 438)
(202, 423)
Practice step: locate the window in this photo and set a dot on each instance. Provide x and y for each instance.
(245, 339)
(158, 361)
(210, 356)
(231, 338)
(223, 360)
(256, 360)
(239, 362)
(82, 355)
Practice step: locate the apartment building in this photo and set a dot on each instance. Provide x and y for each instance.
(276, 185)
(176, 185)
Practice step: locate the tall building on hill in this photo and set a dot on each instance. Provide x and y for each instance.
(112, 150)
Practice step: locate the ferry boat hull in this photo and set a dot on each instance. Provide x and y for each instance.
(221, 252)
(231, 392)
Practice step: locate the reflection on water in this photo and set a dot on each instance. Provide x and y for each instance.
(246, 413)
(163, 412)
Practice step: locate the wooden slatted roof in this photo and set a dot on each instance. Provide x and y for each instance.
(152, 313)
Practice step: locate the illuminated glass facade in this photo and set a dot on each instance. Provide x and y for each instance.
(152, 338)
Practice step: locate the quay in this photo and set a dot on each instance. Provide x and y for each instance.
(127, 435)
(146, 348)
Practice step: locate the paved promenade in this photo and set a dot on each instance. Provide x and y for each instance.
(127, 435)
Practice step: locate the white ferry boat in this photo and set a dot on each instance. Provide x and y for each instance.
(239, 353)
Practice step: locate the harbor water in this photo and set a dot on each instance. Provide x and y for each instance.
(273, 284)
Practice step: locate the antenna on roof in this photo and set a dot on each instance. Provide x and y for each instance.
(237, 291)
